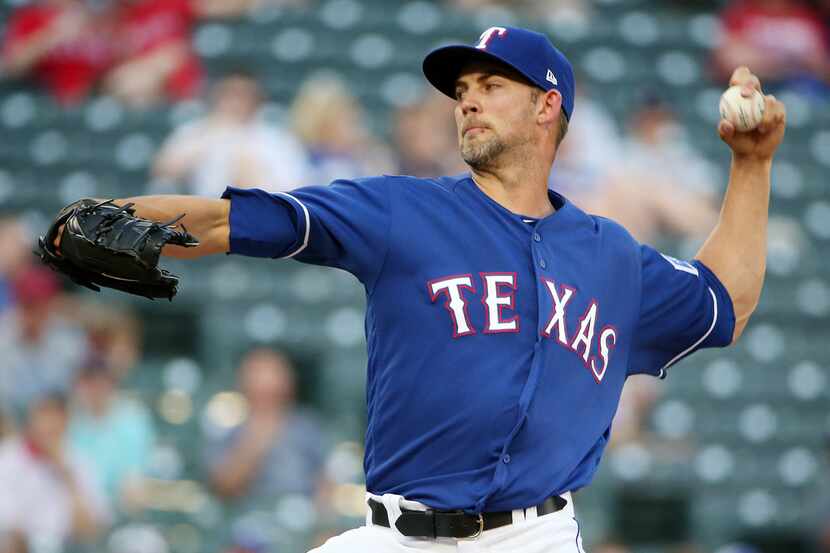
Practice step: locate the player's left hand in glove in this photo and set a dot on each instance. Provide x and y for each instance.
(102, 244)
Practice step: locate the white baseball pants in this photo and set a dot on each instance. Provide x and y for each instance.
(557, 532)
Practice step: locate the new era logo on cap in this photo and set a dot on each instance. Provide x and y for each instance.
(528, 52)
(551, 78)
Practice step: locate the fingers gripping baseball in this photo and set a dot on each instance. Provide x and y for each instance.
(762, 139)
(743, 77)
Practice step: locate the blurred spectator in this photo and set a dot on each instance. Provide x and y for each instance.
(15, 254)
(278, 449)
(232, 145)
(63, 44)
(785, 42)
(114, 432)
(661, 185)
(331, 124)
(13, 541)
(41, 348)
(113, 332)
(155, 58)
(48, 495)
(426, 138)
(630, 425)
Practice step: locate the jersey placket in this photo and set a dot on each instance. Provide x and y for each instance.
(529, 388)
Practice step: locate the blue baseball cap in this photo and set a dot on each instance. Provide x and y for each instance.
(530, 53)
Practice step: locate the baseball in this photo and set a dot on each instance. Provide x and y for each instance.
(744, 113)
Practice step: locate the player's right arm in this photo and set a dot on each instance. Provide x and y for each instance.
(736, 250)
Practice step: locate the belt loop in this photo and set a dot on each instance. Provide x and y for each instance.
(392, 503)
(369, 495)
(518, 515)
(569, 506)
(480, 528)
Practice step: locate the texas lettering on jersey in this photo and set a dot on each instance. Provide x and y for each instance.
(499, 292)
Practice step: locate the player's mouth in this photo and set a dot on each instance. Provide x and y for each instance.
(473, 130)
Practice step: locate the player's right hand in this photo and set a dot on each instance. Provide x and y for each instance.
(759, 144)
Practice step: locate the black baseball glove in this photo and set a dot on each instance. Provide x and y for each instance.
(102, 244)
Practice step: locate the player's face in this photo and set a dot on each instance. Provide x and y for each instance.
(494, 112)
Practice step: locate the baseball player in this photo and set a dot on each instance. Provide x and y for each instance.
(502, 321)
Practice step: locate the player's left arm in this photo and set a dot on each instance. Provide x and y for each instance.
(736, 249)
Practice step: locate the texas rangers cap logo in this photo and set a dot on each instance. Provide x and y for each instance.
(487, 35)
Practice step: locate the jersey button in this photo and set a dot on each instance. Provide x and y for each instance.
(537, 237)
(506, 459)
(543, 264)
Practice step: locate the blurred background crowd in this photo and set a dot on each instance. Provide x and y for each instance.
(232, 419)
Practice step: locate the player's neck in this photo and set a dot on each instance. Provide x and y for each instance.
(522, 191)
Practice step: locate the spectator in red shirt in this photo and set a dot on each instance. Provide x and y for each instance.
(156, 61)
(785, 42)
(63, 44)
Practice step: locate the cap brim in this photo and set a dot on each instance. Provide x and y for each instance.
(442, 66)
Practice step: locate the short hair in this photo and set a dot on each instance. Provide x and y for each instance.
(563, 127)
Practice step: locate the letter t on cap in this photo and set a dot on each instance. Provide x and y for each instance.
(487, 35)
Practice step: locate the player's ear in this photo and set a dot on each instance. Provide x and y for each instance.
(550, 107)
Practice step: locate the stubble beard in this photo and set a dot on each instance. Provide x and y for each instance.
(481, 153)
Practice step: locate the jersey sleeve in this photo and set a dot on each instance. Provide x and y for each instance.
(683, 308)
(343, 225)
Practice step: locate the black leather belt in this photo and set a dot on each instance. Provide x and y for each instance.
(453, 524)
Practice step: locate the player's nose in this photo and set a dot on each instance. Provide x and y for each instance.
(469, 104)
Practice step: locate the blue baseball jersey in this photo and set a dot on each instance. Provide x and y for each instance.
(498, 345)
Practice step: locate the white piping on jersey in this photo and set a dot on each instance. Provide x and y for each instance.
(681, 265)
(702, 338)
(307, 226)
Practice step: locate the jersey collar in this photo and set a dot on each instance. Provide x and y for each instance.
(563, 207)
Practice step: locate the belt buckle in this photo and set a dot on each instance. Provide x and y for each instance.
(480, 527)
